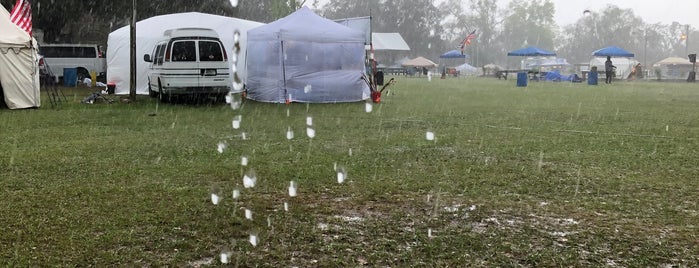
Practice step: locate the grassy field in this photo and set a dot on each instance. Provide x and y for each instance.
(554, 174)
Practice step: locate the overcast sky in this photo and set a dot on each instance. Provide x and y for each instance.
(667, 11)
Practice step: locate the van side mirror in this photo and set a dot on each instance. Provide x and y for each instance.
(147, 58)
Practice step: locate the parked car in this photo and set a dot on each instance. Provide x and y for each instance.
(188, 61)
(86, 58)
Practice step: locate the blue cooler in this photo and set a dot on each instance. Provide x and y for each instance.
(522, 79)
(70, 77)
(592, 78)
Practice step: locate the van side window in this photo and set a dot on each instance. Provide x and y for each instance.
(184, 51)
(210, 51)
(160, 54)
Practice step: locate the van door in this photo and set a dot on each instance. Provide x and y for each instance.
(213, 65)
(184, 68)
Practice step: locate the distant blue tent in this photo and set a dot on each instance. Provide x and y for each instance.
(531, 51)
(454, 54)
(612, 52)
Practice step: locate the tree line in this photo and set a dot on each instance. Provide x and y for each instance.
(430, 27)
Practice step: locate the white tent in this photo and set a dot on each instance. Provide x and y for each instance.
(19, 65)
(306, 58)
(389, 41)
(151, 30)
(673, 68)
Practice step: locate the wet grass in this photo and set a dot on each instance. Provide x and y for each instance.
(553, 174)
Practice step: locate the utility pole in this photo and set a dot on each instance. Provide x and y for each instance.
(686, 39)
(132, 85)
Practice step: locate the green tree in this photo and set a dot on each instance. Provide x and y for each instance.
(529, 23)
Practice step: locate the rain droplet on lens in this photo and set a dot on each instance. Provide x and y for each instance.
(292, 188)
(309, 121)
(269, 221)
(235, 100)
(306, 57)
(286, 206)
(236, 193)
(225, 257)
(244, 135)
(236, 121)
(350, 152)
(308, 88)
(253, 240)
(215, 195)
(368, 107)
(249, 179)
(429, 233)
(310, 132)
(248, 214)
(429, 135)
(289, 133)
(341, 175)
(221, 147)
(429, 46)
(234, 3)
(243, 160)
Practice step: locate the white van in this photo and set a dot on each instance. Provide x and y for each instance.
(189, 61)
(87, 58)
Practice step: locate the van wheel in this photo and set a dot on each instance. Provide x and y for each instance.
(161, 96)
(82, 74)
(151, 93)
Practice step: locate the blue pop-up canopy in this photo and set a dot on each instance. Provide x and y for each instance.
(612, 52)
(531, 51)
(454, 54)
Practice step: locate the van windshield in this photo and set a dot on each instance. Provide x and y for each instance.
(184, 51)
(210, 51)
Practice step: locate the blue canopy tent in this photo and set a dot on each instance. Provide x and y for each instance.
(612, 52)
(530, 51)
(454, 54)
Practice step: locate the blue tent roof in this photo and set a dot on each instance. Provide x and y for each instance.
(531, 51)
(454, 54)
(612, 52)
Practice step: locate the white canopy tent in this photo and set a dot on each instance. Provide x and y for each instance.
(389, 41)
(19, 65)
(624, 66)
(150, 31)
(306, 58)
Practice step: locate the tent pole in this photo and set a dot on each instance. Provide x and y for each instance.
(286, 95)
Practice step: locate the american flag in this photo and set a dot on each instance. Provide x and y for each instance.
(22, 15)
(467, 40)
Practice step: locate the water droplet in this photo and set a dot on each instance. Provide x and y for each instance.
(234, 3)
(249, 179)
(288, 113)
(306, 57)
(368, 107)
(432, 32)
(221, 147)
(429, 135)
(215, 195)
(309, 121)
(234, 60)
(244, 161)
(308, 88)
(286, 56)
(341, 175)
(289, 134)
(429, 233)
(253, 240)
(310, 132)
(244, 135)
(335, 166)
(225, 257)
(429, 46)
(286, 206)
(667, 128)
(236, 34)
(350, 152)
(248, 214)
(429, 76)
(236, 194)
(236, 121)
(215, 199)
(292, 189)
(269, 221)
(235, 100)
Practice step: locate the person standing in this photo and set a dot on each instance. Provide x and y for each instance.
(608, 70)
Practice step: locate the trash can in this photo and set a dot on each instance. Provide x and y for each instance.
(592, 78)
(70, 77)
(110, 88)
(522, 79)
